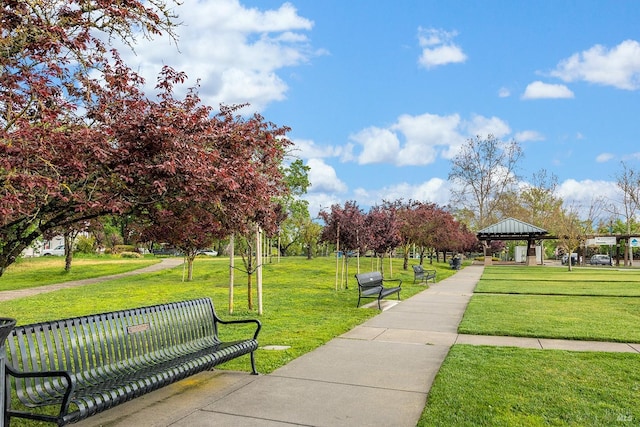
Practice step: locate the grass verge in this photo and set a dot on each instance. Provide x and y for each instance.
(499, 386)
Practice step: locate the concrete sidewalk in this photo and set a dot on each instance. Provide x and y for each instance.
(379, 373)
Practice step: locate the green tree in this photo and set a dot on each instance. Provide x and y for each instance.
(293, 227)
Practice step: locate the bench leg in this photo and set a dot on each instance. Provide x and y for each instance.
(253, 364)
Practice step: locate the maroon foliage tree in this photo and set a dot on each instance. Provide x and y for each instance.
(345, 226)
(79, 138)
(59, 163)
(383, 229)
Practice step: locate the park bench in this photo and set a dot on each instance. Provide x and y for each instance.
(67, 370)
(371, 285)
(420, 274)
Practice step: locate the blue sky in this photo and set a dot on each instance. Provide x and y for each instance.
(380, 94)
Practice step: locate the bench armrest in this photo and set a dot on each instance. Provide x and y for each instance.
(70, 387)
(231, 322)
(393, 280)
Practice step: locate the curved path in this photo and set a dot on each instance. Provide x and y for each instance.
(21, 293)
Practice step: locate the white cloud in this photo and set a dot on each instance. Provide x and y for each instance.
(604, 157)
(320, 201)
(435, 190)
(618, 66)
(438, 48)
(582, 192)
(529, 135)
(540, 90)
(418, 140)
(584, 195)
(378, 145)
(503, 92)
(308, 149)
(235, 51)
(323, 178)
(483, 126)
(423, 134)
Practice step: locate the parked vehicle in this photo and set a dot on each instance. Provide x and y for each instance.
(574, 258)
(601, 259)
(57, 251)
(208, 252)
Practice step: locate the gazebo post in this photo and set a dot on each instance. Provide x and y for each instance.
(531, 252)
(488, 257)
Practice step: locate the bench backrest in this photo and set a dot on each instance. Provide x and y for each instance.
(369, 280)
(418, 269)
(84, 345)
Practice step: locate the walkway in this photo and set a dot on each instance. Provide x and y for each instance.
(21, 293)
(379, 373)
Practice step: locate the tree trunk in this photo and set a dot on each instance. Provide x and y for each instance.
(68, 250)
(190, 259)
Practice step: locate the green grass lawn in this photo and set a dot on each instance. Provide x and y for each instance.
(559, 281)
(585, 304)
(501, 386)
(477, 386)
(33, 272)
(301, 305)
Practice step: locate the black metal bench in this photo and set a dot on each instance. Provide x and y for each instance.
(422, 275)
(371, 285)
(67, 370)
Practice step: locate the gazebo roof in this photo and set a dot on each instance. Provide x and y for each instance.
(510, 229)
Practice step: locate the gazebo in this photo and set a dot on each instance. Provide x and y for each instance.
(512, 229)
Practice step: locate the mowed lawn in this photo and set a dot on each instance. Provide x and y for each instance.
(584, 304)
(47, 270)
(506, 386)
(303, 306)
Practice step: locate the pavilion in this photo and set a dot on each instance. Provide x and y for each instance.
(512, 229)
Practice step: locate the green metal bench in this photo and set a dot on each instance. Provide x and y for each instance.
(422, 275)
(371, 285)
(68, 370)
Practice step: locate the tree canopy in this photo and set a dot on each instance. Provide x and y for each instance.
(80, 139)
(483, 172)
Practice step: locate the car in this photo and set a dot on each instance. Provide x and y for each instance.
(574, 258)
(600, 259)
(208, 252)
(57, 251)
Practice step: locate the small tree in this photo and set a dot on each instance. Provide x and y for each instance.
(345, 228)
(383, 230)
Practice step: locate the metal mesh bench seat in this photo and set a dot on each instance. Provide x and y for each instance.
(371, 285)
(85, 365)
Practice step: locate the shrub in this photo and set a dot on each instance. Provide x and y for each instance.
(118, 249)
(86, 245)
(128, 254)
